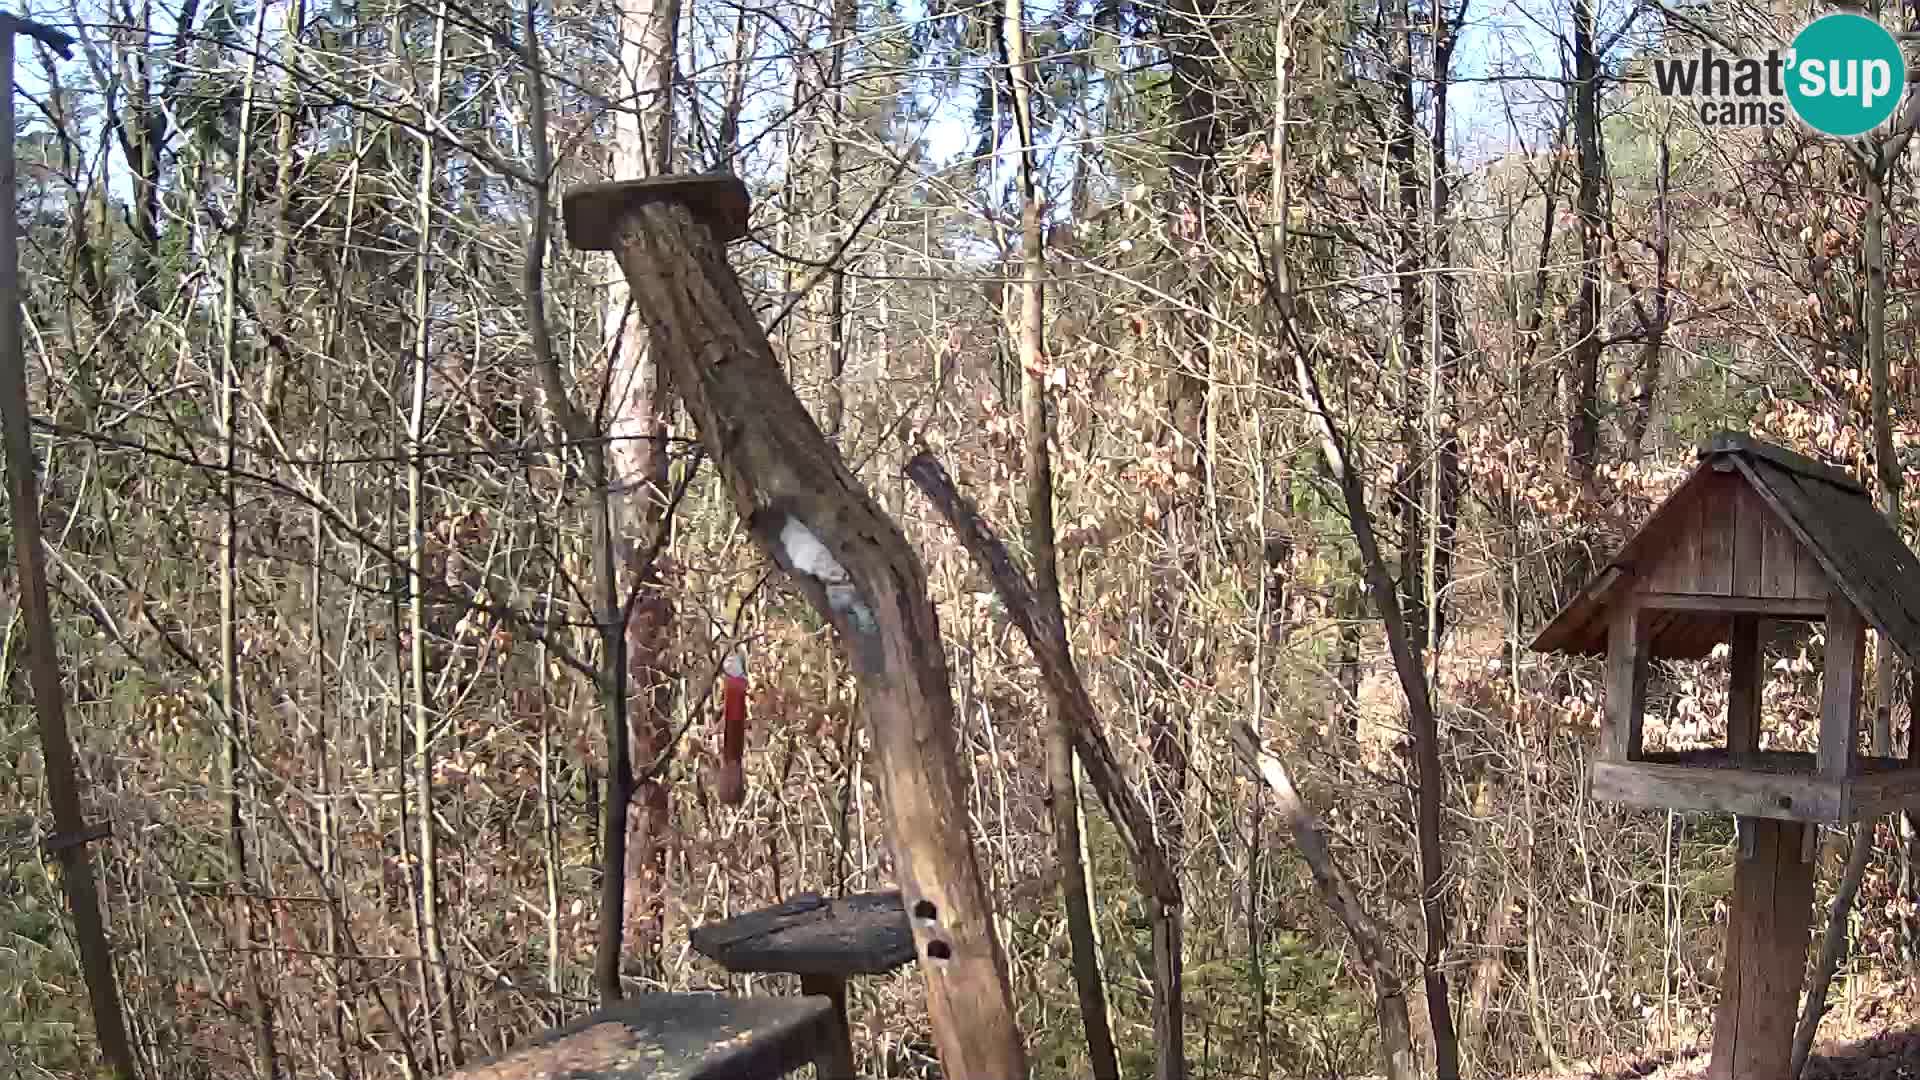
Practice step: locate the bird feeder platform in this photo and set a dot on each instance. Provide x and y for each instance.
(825, 942)
(1755, 535)
(675, 1037)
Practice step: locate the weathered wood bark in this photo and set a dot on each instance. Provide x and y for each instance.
(1369, 939)
(63, 780)
(807, 511)
(1766, 956)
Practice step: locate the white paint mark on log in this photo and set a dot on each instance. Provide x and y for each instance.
(807, 555)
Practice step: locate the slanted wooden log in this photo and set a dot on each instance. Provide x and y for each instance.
(807, 511)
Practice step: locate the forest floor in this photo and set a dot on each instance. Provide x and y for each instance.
(1875, 1036)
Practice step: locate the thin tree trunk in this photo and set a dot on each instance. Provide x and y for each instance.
(1654, 325)
(280, 262)
(839, 28)
(1064, 794)
(1583, 417)
(63, 780)
(1423, 725)
(1833, 945)
(1369, 938)
(259, 1005)
(429, 884)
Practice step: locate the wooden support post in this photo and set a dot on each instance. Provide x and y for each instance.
(1743, 687)
(1840, 688)
(1743, 709)
(1626, 683)
(807, 511)
(1766, 956)
(836, 1056)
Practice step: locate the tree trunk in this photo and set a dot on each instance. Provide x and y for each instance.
(1583, 418)
(639, 613)
(63, 780)
(852, 563)
(429, 877)
(235, 713)
(1064, 795)
(1369, 938)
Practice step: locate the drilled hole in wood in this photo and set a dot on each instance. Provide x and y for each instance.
(939, 950)
(924, 909)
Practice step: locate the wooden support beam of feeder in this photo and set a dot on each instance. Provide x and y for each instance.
(1766, 956)
(1626, 683)
(1840, 688)
(1743, 707)
(809, 513)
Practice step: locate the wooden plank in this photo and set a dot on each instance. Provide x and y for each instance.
(864, 934)
(1715, 541)
(1626, 683)
(1750, 521)
(1809, 579)
(1780, 555)
(1726, 791)
(1883, 793)
(678, 1036)
(1783, 607)
(1743, 686)
(835, 1061)
(1766, 956)
(1840, 688)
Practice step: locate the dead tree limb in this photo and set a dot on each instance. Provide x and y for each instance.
(1047, 638)
(807, 511)
(1369, 938)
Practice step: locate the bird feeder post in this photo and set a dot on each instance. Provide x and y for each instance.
(807, 511)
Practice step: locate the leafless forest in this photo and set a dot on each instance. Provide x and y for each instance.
(1307, 356)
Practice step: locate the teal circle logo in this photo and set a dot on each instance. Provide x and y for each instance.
(1847, 75)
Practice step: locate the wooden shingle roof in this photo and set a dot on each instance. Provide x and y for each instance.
(1832, 533)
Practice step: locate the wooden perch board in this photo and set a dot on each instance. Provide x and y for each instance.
(673, 1037)
(863, 934)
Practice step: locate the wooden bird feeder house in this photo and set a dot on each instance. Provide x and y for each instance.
(1755, 535)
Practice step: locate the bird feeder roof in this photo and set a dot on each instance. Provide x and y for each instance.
(1755, 527)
